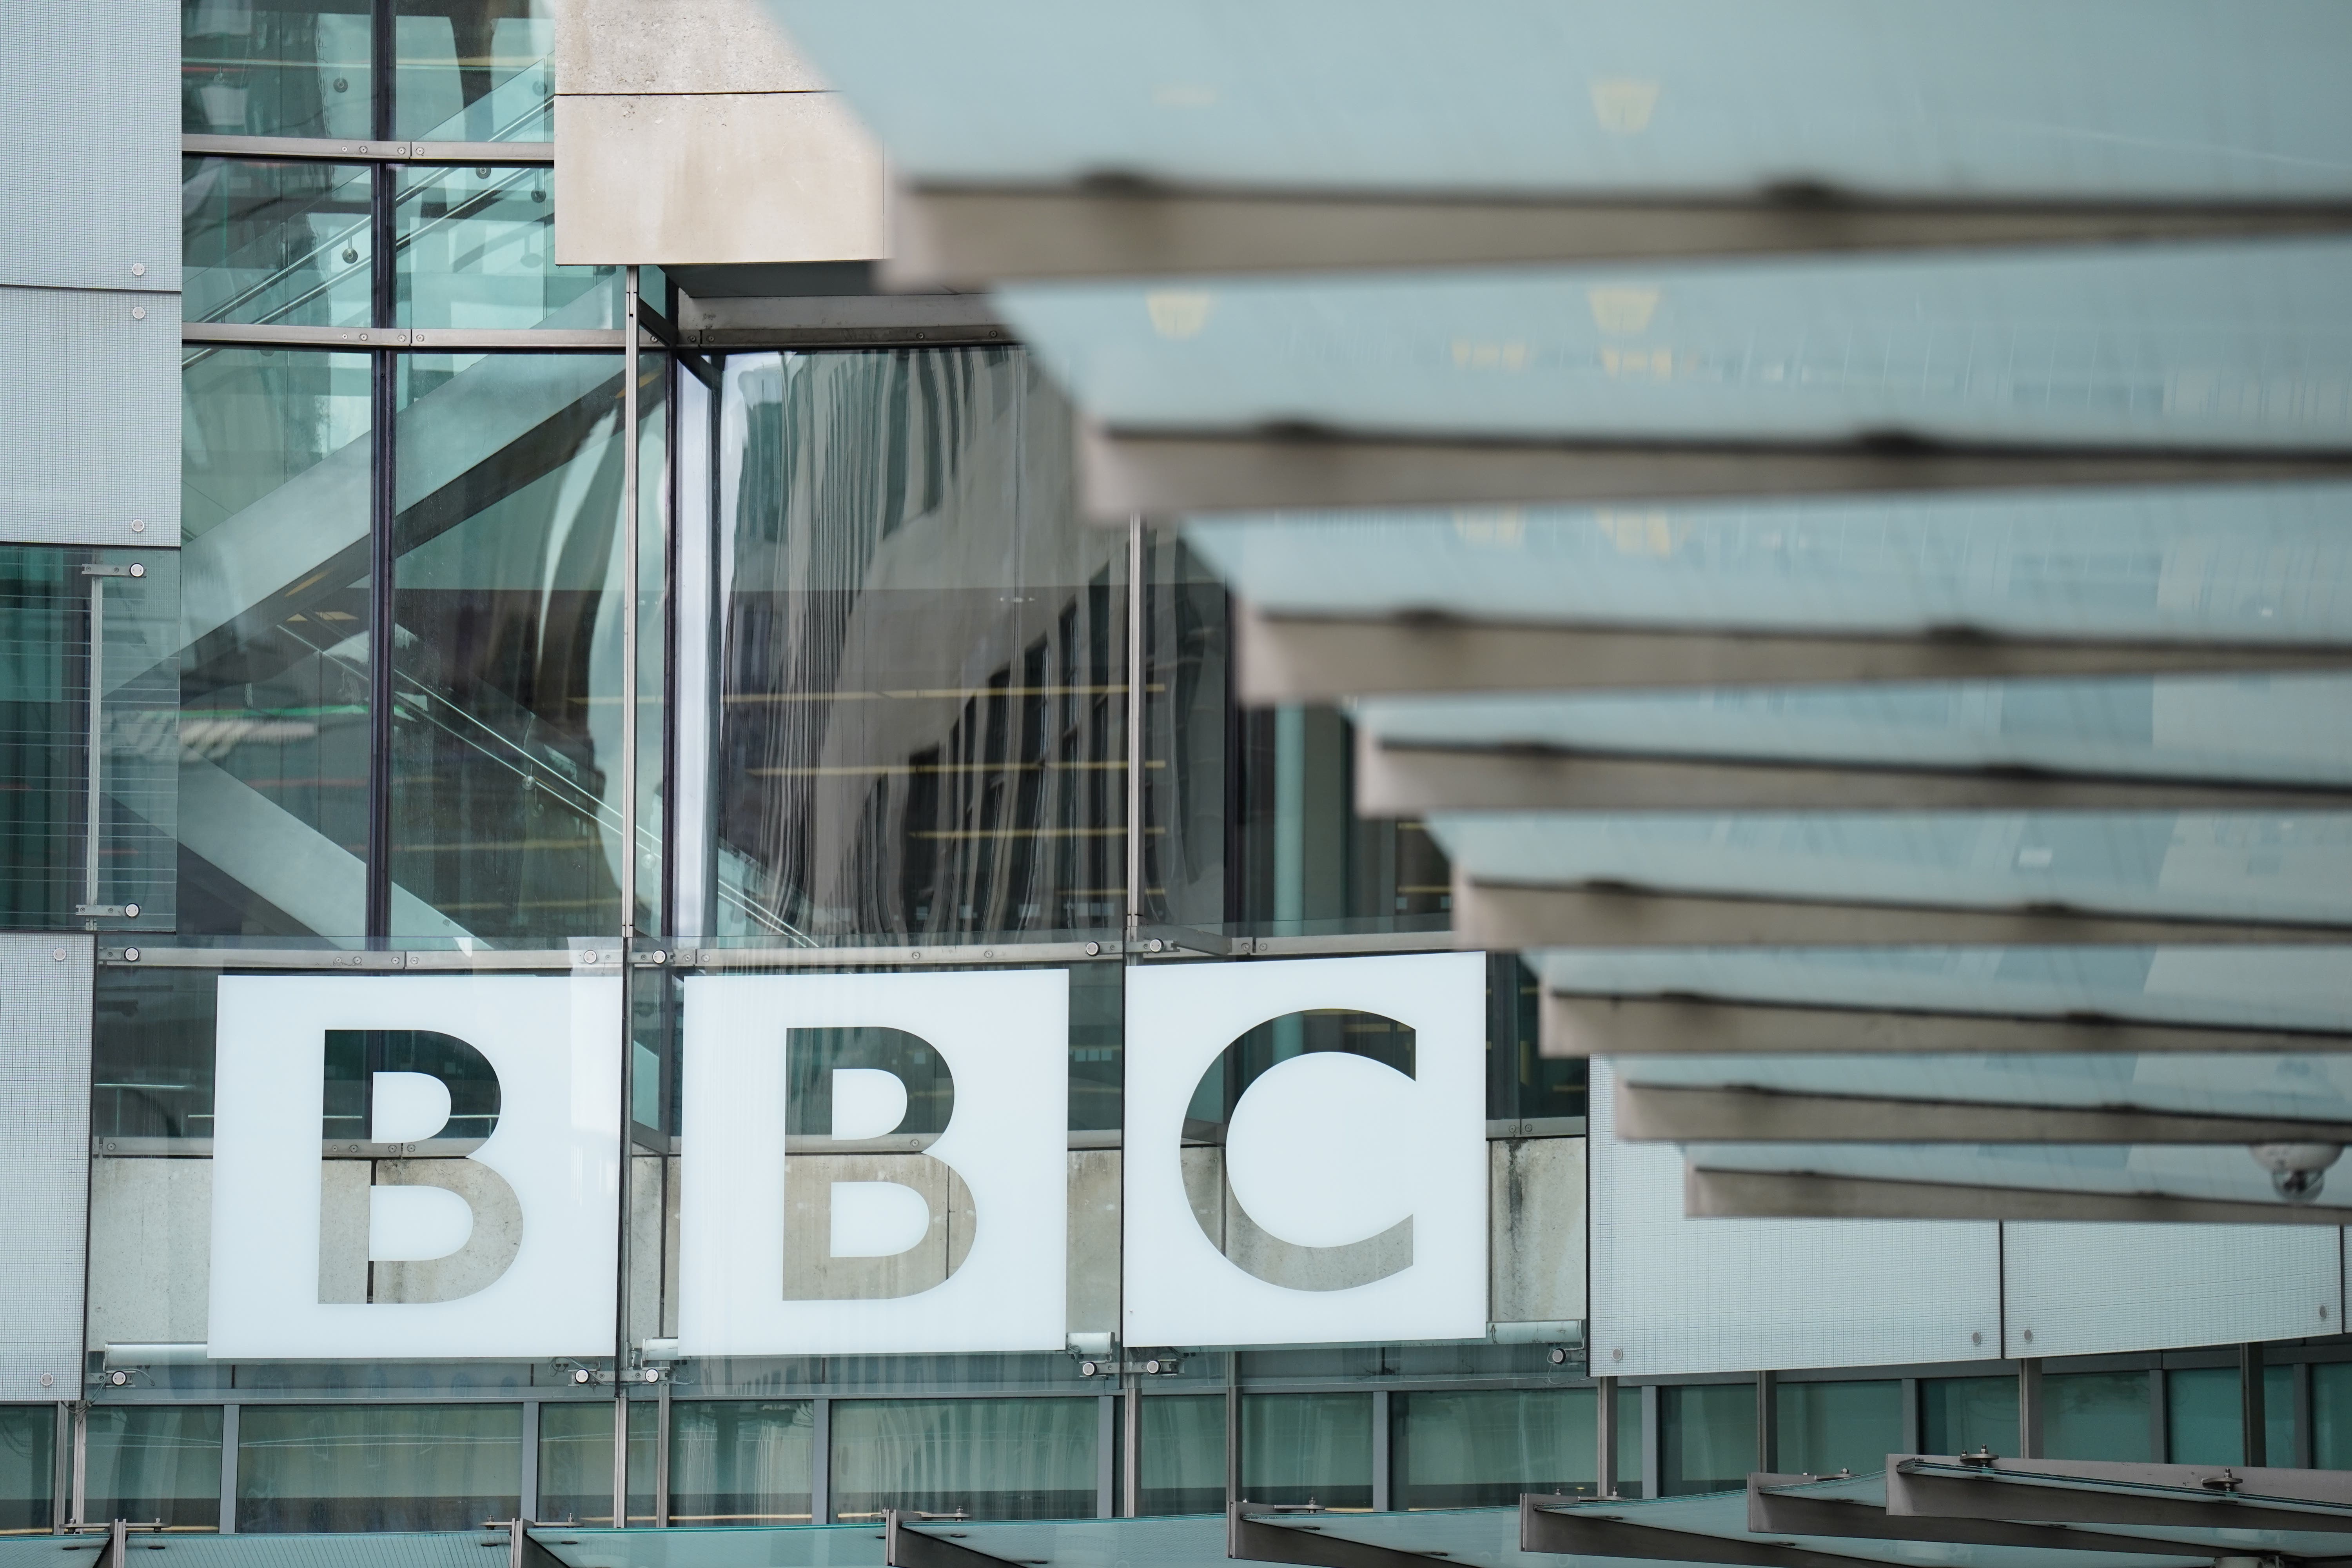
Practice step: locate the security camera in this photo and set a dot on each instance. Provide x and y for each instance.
(2297, 1171)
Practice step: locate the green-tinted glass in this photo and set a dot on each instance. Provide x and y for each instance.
(1825, 1427)
(575, 1462)
(274, 67)
(311, 1468)
(1483, 1449)
(2097, 1415)
(1184, 1455)
(993, 1458)
(475, 71)
(28, 1436)
(1708, 1439)
(476, 248)
(2203, 1424)
(1962, 1414)
(741, 1461)
(154, 1462)
(1308, 1448)
(286, 244)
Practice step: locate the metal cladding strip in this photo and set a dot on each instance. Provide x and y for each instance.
(1285, 659)
(1581, 1026)
(1680, 1113)
(1609, 915)
(974, 236)
(1159, 473)
(2077, 1491)
(903, 1546)
(1250, 1539)
(1780, 1195)
(1405, 780)
(1583, 1532)
(1774, 1511)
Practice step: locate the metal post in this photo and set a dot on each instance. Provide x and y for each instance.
(1131, 1458)
(629, 651)
(1604, 1437)
(1913, 1443)
(61, 1470)
(2029, 1407)
(661, 1457)
(2299, 1386)
(2252, 1417)
(80, 1464)
(1383, 1461)
(527, 1484)
(1232, 1428)
(1653, 1467)
(620, 1461)
(1135, 695)
(228, 1470)
(821, 1462)
(1107, 1451)
(1767, 1429)
(2159, 1425)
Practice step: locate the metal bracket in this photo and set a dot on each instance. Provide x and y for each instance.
(1250, 1538)
(106, 912)
(1545, 1526)
(1772, 1512)
(522, 1552)
(903, 1546)
(93, 569)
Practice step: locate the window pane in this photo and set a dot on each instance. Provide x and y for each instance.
(270, 68)
(1183, 1454)
(506, 764)
(275, 481)
(2331, 1415)
(575, 1462)
(284, 244)
(740, 1463)
(475, 71)
(476, 249)
(44, 684)
(1708, 1444)
(1308, 1448)
(28, 1436)
(923, 661)
(155, 1462)
(1826, 1428)
(1962, 1414)
(1482, 1450)
(377, 1468)
(2096, 1415)
(2203, 1424)
(993, 1458)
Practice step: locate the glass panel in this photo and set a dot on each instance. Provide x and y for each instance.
(271, 68)
(2096, 1415)
(575, 1462)
(1521, 1081)
(1482, 1450)
(154, 1462)
(1825, 1427)
(28, 1436)
(475, 71)
(1184, 1455)
(44, 728)
(993, 1458)
(2331, 1414)
(1708, 1441)
(2203, 1424)
(308, 1469)
(923, 670)
(653, 634)
(506, 771)
(740, 1463)
(1308, 1448)
(283, 244)
(275, 486)
(1962, 1414)
(1629, 1443)
(645, 1447)
(477, 250)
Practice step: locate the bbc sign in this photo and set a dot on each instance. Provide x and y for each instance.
(1343, 1098)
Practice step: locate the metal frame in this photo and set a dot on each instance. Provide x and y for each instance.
(1682, 1113)
(1775, 1512)
(973, 234)
(852, 320)
(2099, 1492)
(1581, 1531)
(232, 333)
(1709, 1193)
(1251, 1537)
(343, 149)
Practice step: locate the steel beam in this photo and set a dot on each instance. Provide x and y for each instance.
(1508, 915)
(1678, 1113)
(1285, 659)
(1774, 1511)
(1590, 1531)
(345, 148)
(362, 339)
(1575, 1026)
(817, 321)
(903, 1546)
(1171, 472)
(973, 236)
(1251, 1536)
(1781, 1195)
(2081, 1491)
(1404, 779)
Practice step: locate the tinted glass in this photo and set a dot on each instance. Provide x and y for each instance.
(154, 1462)
(1184, 1455)
(1308, 1448)
(1484, 1449)
(477, 250)
(311, 1469)
(740, 1462)
(1962, 1414)
(43, 688)
(280, 244)
(2203, 1423)
(992, 1458)
(28, 1435)
(475, 71)
(1708, 1439)
(2096, 1415)
(575, 1462)
(1825, 1427)
(270, 68)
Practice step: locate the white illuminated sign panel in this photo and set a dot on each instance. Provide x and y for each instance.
(816, 1257)
(523, 1225)
(1354, 1151)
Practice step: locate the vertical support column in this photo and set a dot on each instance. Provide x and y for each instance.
(228, 1469)
(1604, 1437)
(2159, 1428)
(1232, 1427)
(1135, 717)
(661, 1457)
(821, 1463)
(1653, 1442)
(1383, 1460)
(80, 1464)
(1768, 1429)
(527, 1486)
(1913, 1443)
(1131, 1454)
(2029, 1407)
(61, 1469)
(621, 1457)
(2252, 1417)
(2299, 1386)
(622, 1323)
(1107, 1450)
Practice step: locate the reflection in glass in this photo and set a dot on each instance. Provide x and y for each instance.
(28, 1436)
(1825, 1427)
(2096, 1416)
(922, 675)
(476, 250)
(740, 1462)
(1708, 1441)
(311, 1469)
(575, 1462)
(1483, 1449)
(151, 1048)
(155, 1462)
(2203, 1423)
(506, 661)
(274, 478)
(1184, 1455)
(993, 1458)
(282, 244)
(475, 71)
(1961, 1415)
(274, 67)
(1308, 1448)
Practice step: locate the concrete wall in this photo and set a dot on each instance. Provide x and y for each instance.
(690, 131)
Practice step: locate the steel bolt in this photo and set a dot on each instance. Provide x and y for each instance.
(139, 270)
(138, 313)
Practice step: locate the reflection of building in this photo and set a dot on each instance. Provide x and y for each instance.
(402, 684)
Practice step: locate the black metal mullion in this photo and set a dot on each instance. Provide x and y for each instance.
(383, 492)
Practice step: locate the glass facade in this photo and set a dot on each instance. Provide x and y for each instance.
(1483, 1449)
(1825, 1427)
(1308, 1448)
(1964, 1414)
(984, 1458)
(1706, 1437)
(154, 1462)
(28, 1466)
(2096, 1415)
(308, 1469)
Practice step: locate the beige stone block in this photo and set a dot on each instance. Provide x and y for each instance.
(150, 1251)
(343, 1220)
(811, 1271)
(1205, 1189)
(648, 1205)
(1538, 1253)
(488, 1252)
(715, 178)
(678, 46)
(1093, 1241)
